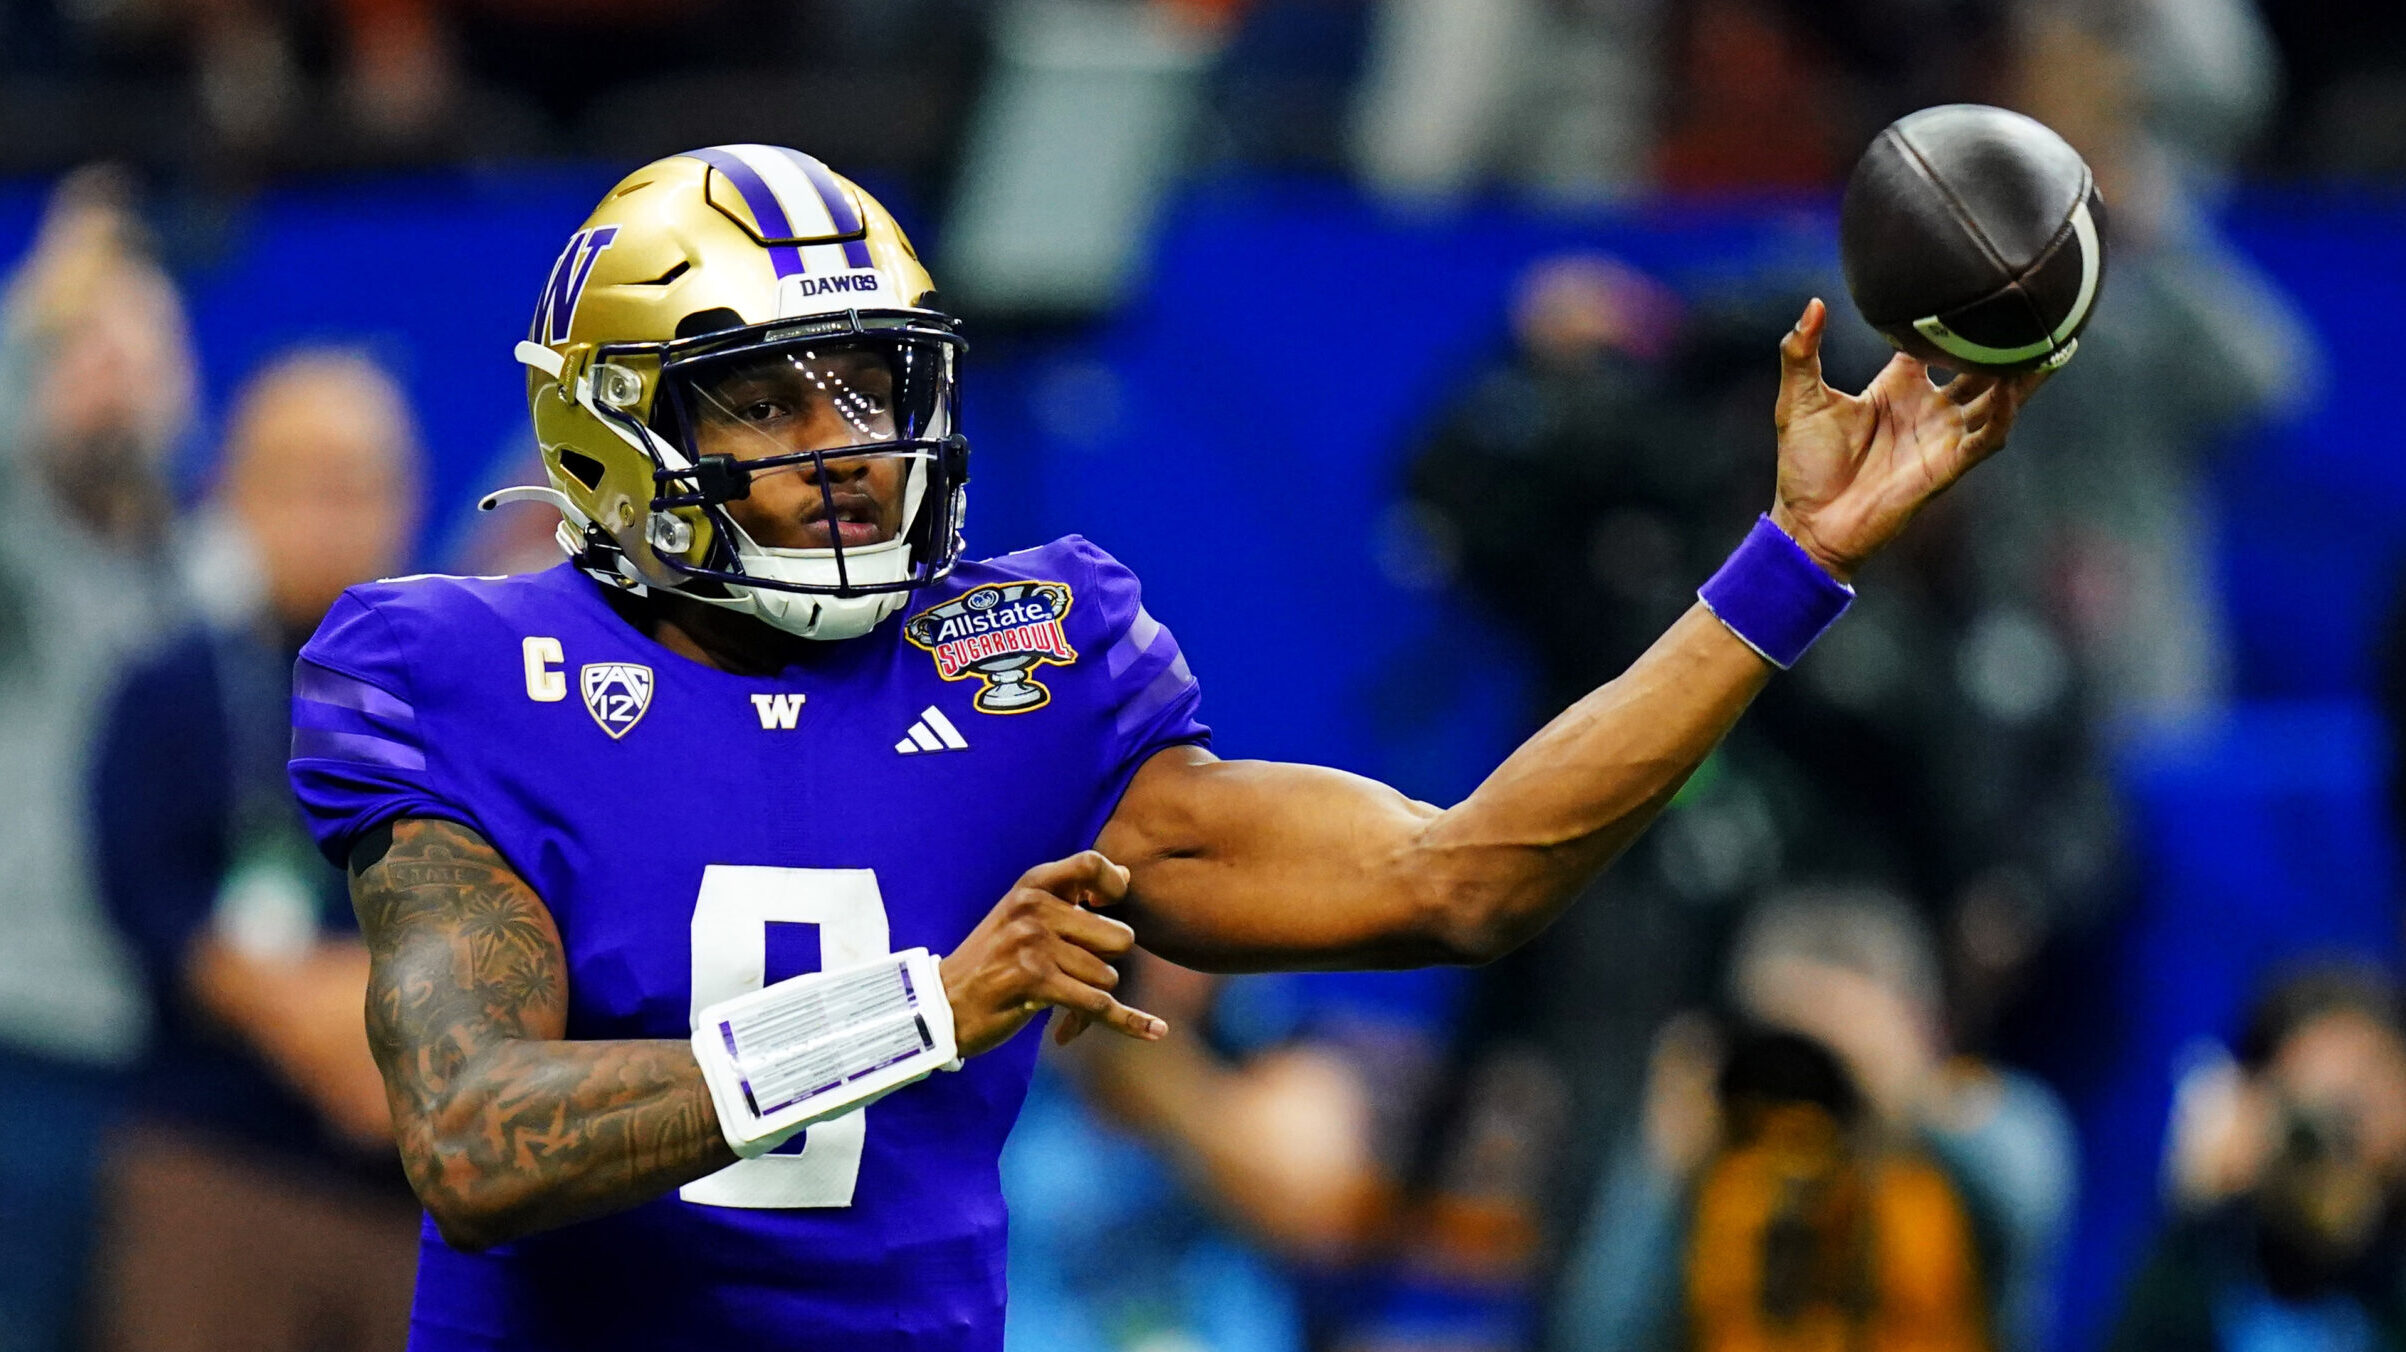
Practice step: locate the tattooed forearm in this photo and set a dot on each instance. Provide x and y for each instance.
(504, 1128)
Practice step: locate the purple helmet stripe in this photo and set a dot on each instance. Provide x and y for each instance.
(839, 205)
(766, 209)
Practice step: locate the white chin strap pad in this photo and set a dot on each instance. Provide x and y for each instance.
(806, 615)
(819, 614)
(817, 1046)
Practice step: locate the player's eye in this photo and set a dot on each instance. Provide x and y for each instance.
(762, 409)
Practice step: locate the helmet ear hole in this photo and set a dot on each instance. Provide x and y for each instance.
(582, 468)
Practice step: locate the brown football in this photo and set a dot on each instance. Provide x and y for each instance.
(1974, 239)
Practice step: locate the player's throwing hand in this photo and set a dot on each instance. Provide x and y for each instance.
(1853, 469)
(1041, 946)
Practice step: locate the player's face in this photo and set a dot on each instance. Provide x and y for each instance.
(801, 400)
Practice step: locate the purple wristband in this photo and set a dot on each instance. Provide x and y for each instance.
(1773, 596)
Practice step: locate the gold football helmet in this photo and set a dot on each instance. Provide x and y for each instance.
(729, 314)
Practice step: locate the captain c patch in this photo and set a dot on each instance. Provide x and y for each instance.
(1000, 633)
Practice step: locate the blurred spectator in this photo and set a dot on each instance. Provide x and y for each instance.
(1806, 1236)
(1958, 1174)
(2112, 521)
(1175, 1277)
(1437, 103)
(1079, 135)
(255, 1197)
(98, 374)
(1318, 1117)
(2289, 1230)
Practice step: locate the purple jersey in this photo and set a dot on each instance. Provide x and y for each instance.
(697, 833)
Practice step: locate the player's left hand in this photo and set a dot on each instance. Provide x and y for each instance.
(1853, 469)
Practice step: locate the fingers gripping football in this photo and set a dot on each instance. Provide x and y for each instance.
(1043, 946)
(1853, 469)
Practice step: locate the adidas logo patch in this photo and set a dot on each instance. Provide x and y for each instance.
(932, 732)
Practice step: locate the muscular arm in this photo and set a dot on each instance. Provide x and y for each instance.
(504, 1128)
(1237, 865)
(1242, 865)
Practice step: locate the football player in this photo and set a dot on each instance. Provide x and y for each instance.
(769, 804)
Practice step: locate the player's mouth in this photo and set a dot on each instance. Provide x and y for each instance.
(856, 522)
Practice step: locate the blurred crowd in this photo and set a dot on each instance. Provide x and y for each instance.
(199, 1130)
(1759, 1093)
(1562, 98)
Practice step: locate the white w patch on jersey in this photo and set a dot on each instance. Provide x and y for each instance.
(932, 732)
(778, 710)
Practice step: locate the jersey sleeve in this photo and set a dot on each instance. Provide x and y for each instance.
(1154, 697)
(359, 754)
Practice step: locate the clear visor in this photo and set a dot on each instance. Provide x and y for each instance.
(835, 440)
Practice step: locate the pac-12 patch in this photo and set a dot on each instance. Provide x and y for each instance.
(616, 694)
(1000, 633)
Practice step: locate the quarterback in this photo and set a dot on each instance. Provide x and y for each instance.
(710, 876)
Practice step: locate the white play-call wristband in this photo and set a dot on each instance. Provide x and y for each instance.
(817, 1046)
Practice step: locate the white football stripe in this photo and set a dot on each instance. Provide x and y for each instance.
(806, 212)
(2092, 256)
(944, 728)
(2084, 235)
(926, 740)
(824, 260)
(906, 748)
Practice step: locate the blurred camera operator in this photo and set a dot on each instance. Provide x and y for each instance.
(96, 371)
(256, 1199)
(2289, 1175)
(1961, 1173)
(1810, 1230)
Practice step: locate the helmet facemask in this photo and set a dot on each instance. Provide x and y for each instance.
(824, 459)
